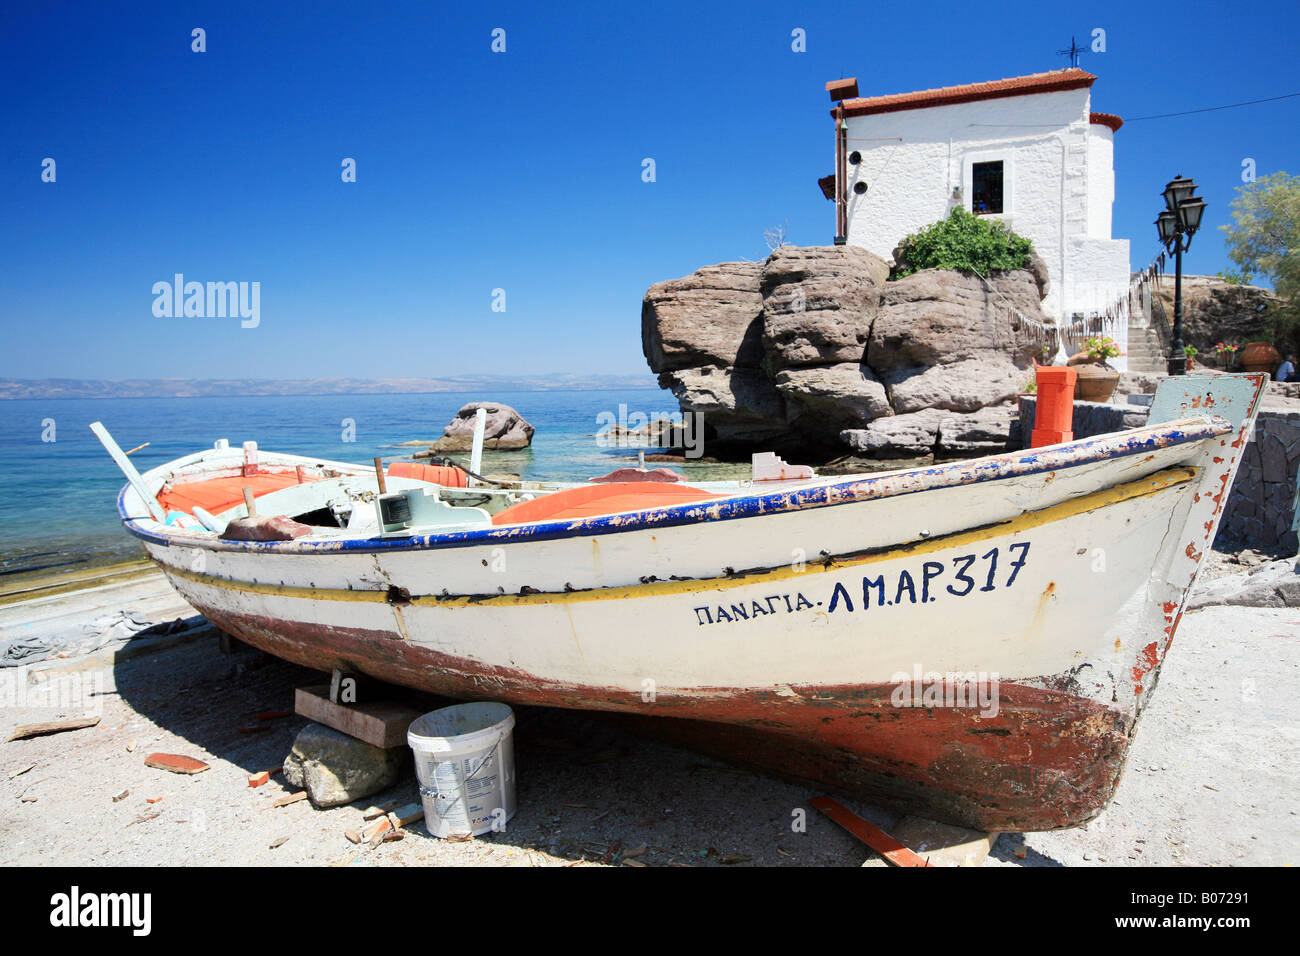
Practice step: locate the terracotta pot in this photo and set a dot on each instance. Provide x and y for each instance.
(1096, 382)
(1259, 357)
(1191, 363)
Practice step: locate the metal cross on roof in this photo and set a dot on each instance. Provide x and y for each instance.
(1073, 52)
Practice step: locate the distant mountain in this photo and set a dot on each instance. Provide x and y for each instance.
(190, 388)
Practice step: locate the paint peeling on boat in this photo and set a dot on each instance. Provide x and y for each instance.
(958, 474)
(808, 694)
(1045, 760)
(1147, 660)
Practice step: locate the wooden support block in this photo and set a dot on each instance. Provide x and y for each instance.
(379, 724)
(874, 837)
(336, 683)
(350, 688)
(381, 810)
(404, 816)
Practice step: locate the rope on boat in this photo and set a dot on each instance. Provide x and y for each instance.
(455, 464)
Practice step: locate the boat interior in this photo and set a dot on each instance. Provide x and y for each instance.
(206, 492)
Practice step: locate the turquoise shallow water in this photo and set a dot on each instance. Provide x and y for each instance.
(58, 498)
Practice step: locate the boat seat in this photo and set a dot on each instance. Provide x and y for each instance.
(601, 499)
(445, 475)
(216, 495)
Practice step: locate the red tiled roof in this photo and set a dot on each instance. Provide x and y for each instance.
(1053, 82)
(1106, 119)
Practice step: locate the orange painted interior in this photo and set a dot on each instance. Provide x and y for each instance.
(216, 495)
(444, 475)
(601, 499)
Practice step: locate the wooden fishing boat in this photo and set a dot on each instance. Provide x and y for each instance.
(974, 641)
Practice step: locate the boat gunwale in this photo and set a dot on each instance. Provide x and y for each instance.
(1148, 486)
(852, 489)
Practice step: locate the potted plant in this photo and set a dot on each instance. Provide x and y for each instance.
(1226, 354)
(1189, 352)
(1259, 357)
(1097, 380)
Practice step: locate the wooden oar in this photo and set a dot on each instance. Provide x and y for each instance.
(476, 446)
(128, 469)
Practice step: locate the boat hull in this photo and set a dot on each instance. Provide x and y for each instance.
(743, 665)
(974, 642)
(1047, 759)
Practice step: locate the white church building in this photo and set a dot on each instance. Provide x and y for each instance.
(1027, 150)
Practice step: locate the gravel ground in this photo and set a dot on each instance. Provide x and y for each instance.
(1211, 777)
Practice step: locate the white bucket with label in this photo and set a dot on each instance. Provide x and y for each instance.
(465, 763)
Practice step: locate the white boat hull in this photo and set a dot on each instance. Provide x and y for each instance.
(976, 640)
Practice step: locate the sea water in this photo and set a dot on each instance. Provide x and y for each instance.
(58, 487)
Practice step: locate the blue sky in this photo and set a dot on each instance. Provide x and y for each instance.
(519, 171)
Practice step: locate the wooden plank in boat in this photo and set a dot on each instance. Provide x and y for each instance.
(379, 724)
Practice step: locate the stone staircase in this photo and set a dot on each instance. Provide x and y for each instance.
(1146, 353)
(1144, 350)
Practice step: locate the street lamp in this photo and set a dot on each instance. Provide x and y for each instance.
(1176, 224)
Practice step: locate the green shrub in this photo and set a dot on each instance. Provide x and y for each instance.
(965, 242)
(1235, 278)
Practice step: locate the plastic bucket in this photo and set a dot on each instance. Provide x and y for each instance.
(465, 763)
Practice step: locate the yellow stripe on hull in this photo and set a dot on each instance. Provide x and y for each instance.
(1141, 488)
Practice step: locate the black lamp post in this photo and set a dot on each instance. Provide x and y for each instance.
(1177, 224)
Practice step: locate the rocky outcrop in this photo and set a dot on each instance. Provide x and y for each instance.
(739, 405)
(819, 304)
(1271, 584)
(814, 350)
(837, 396)
(505, 429)
(674, 335)
(1218, 311)
(934, 431)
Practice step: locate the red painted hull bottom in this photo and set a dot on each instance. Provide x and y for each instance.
(1046, 760)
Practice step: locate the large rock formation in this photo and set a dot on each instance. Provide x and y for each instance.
(815, 351)
(504, 430)
(1218, 311)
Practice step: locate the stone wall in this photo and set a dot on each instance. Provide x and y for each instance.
(1261, 508)
(1090, 418)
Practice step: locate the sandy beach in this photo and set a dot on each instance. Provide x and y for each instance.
(1210, 781)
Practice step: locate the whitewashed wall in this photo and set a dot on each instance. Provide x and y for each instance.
(1058, 184)
(1101, 180)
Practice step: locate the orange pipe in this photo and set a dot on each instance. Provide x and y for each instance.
(1054, 410)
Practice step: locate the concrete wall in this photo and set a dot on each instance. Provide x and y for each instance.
(1057, 191)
